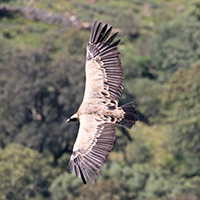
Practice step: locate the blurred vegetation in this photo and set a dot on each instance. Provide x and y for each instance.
(42, 57)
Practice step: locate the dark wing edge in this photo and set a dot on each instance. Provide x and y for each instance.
(101, 48)
(89, 163)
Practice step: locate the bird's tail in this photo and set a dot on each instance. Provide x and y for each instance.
(130, 116)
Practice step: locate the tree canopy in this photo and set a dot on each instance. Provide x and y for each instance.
(42, 57)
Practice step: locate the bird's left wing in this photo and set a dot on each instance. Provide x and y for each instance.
(93, 144)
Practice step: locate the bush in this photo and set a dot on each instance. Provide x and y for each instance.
(24, 174)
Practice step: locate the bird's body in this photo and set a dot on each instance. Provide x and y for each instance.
(99, 111)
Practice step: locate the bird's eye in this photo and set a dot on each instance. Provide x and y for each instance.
(73, 119)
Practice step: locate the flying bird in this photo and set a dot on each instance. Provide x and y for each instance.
(99, 112)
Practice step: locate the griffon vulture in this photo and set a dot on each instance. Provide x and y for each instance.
(99, 112)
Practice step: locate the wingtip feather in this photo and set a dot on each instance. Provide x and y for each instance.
(71, 168)
(83, 175)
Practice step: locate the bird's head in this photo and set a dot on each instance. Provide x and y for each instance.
(73, 118)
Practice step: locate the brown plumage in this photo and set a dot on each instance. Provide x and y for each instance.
(99, 111)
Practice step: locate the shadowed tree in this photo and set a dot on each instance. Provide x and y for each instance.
(36, 95)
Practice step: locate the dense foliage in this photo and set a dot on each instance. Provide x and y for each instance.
(182, 101)
(42, 57)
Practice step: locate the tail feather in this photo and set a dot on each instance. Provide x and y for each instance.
(130, 116)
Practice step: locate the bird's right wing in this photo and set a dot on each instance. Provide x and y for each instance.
(104, 74)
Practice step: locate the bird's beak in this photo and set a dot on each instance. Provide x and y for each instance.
(68, 120)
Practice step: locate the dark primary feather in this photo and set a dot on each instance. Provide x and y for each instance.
(93, 31)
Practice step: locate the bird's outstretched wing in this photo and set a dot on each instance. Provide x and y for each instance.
(104, 73)
(94, 143)
(104, 84)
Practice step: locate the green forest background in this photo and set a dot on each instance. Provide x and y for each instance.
(42, 58)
